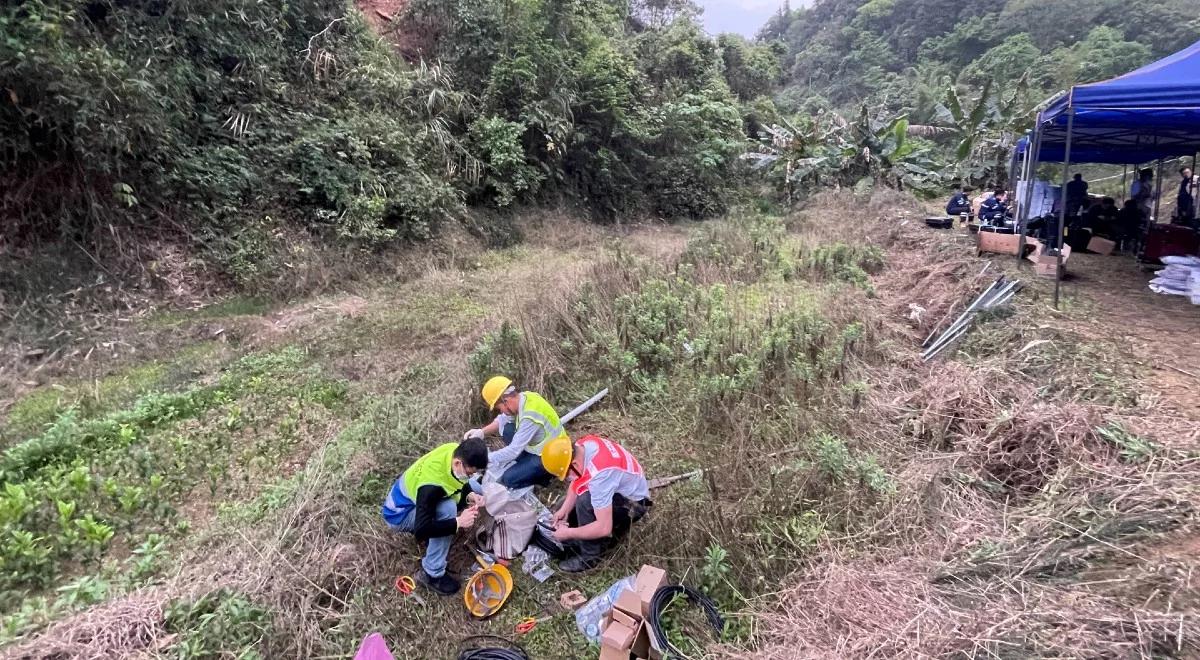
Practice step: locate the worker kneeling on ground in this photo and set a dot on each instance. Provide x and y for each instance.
(609, 493)
(432, 500)
(527, 422)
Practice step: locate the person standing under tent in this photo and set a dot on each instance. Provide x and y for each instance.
(1076, 195)
(1185, 203)
(1142, 193)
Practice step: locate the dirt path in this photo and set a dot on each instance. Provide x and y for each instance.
(1163, 331)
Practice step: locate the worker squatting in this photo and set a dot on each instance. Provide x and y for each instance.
(439, 494)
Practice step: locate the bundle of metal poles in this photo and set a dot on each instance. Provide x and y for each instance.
(1000, 292)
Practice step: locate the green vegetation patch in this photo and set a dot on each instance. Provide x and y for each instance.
(74, 490)
(40, 407)
(92, 398)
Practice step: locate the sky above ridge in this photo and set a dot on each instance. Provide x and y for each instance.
(742, 16)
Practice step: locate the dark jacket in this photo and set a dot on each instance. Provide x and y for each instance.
(959, 203)
(992, 209)
(1184, 203)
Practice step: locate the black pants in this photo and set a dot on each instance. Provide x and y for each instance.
(624, 514)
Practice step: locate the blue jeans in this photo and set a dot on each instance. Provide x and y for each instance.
(527, 470)
(434, 561)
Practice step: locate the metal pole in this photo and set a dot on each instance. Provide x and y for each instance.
(1157, 191)
(1124, 184)
(1062, 208)
(1035, 143)
(581, 408)
(1019, 174)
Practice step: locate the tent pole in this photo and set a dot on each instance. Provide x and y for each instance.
(1018, 174)
(1157, 191)
(1031, 163)
(1062, 207)
(1019, 196)
(1124, 183)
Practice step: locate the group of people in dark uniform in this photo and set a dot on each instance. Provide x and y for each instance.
(1086, 216)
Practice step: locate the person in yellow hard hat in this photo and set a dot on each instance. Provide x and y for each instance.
(607, 494)
(526, 422)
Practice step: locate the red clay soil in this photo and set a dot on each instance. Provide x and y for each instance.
(1163, 331)
(381, 14)
(385, 16)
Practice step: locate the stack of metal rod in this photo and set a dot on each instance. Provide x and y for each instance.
(1000, 292)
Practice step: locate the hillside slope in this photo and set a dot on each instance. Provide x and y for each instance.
(902, 54)
(1033, 488)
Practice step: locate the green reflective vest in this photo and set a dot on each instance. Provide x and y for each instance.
(536, 410)
(434, 469)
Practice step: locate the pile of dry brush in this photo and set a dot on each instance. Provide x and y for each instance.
(1029, 521)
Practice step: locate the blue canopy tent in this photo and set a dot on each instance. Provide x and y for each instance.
(1148, 114)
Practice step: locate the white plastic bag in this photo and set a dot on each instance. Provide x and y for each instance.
(591, 615)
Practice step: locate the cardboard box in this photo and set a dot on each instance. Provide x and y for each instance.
(990, 241)
(625, 632)
(572, 600)
(649, 580)
(641, 642)
(1047, 269)
(618, 635)
(1101, 245)
(629, 603)
(625, 618)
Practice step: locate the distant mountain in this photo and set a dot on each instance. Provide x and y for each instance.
(900, 55)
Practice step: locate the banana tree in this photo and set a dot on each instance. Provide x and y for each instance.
(883, 148)
(790, 152)
(983, 132)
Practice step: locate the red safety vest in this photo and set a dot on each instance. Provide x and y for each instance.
(609, 455)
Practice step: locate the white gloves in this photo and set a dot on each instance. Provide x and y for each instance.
(473, 433)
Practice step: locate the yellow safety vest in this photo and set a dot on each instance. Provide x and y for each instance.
(536, 410)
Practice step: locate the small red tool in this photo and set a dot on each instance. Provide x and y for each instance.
(407, 586)
(529, 623)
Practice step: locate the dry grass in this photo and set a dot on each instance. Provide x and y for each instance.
(1016, 530)
(320, 562)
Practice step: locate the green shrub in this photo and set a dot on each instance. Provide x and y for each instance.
(69, 492)
(750, 247)
(220, 624)
(497, 143)
(848, 263)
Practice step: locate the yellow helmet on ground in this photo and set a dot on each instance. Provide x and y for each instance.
(493, 389)
(488, 590)
(557, 455)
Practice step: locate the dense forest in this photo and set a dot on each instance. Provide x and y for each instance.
(240, 128)
(899, 54)
(232, 125)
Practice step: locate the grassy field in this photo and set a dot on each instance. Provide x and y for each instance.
(213, 491)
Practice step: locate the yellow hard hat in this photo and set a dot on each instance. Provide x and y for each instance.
(488, 589)
(494, 388)
(556, 456)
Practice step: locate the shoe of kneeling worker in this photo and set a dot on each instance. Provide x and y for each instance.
(579, 564)
(444, 585)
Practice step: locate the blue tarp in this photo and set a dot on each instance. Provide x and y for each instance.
(1149, 113)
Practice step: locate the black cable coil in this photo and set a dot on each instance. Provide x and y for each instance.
(508, 651)
(663, 597)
